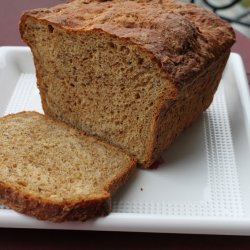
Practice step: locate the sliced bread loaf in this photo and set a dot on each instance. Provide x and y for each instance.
(134, 73)
(54, 172)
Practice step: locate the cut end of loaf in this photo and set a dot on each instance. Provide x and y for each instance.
(99, 84)
(54, 172)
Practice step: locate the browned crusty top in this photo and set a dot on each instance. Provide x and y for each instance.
(183, 38)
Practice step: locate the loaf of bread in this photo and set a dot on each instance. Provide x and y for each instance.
(54, 172)
(134, 73)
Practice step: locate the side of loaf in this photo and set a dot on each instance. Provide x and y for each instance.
(54, 172)
(133, 73)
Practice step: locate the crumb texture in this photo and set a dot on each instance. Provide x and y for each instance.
(110, 88)
(52, 162)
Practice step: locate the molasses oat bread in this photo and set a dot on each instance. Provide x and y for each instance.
(134, 73)
(53, 172)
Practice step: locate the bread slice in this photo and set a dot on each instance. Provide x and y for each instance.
(54, 172)
(134, 73)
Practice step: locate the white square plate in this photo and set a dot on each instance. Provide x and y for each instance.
(202, 183)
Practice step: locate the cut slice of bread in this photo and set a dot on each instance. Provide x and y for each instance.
(54, 172)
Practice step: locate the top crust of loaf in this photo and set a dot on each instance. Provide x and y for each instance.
(183, 38)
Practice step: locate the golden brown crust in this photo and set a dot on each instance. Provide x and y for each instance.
(183, 38)
(52, 211)
(195, 99)
(66, 210)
